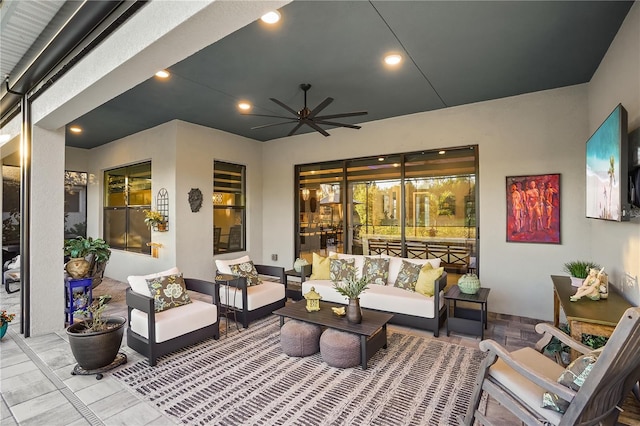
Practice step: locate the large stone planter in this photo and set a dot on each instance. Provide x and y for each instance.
(96, 349)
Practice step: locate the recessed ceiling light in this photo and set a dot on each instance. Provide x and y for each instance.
(163, 74)
(271, 17)
(393, 59)
(441, 152)
(75, 129)
(244, 106)
(380, 158)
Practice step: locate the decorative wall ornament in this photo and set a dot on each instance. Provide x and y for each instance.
(195, 199)
(162, 206)
(533, 209)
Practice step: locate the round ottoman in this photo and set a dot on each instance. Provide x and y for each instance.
(300, 338)
(340, 349)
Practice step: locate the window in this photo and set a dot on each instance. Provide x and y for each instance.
(75, 204)
(127, 194)
(409, 205)
(228, 207)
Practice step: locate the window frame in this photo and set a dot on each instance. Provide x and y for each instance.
(229, 199)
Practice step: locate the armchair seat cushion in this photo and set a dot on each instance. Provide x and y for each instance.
(257, 295)
(177, 321)
(526, 390)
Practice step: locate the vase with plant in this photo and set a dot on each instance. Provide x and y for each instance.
(351, 288)
(154, 219)
(95, 341)
(78, 249)
(578, 270)
(5, 319)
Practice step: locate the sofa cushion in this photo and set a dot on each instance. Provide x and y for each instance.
(341, 269)
(320, 267)
(376, 269)
(168, 292)
(358, 259)
(175, 322)
(138, 283)
(408, 276)
(224, 266)
(247, 270)
(395, 263)
(427, 279)
(257, 296)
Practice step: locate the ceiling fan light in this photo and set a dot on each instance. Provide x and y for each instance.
(393, 59)
(271, 17)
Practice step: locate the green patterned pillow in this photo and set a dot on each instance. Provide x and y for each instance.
(572, 377)
(248, 270)
(168, 292)
(376, 269)
(341, 269)
(408, 276)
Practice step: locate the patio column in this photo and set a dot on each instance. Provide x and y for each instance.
(47, 231)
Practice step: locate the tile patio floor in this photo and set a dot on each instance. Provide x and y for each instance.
(38, 389)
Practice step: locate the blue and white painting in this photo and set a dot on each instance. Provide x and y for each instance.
(603, 170)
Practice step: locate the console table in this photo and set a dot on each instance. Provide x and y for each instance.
(586, 316)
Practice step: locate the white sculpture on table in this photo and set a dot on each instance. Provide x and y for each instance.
(594, 286)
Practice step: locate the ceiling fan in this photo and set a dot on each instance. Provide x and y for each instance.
(309, 117)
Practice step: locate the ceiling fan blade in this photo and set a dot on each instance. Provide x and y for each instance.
(272, 116)
(344, 114)
(295, 129)
(333, 123)
(315, 127)
(273, 124)
(320, 107)
(285, 106)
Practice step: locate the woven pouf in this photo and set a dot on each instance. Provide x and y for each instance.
(340, 349)
(300, 338)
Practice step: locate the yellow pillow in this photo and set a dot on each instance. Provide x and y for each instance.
(320, 267)
(427, 279)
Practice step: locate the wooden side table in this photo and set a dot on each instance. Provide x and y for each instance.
(586, 316)
(296, 293)
(467, 320)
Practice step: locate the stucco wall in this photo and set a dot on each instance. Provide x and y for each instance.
(537, 133)
(616, 246)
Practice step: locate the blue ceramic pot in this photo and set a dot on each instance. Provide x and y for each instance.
(3, 329)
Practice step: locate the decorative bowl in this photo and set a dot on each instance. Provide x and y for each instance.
(469, 284)
(339, 311)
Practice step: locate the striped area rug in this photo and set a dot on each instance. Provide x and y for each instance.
(246, 379)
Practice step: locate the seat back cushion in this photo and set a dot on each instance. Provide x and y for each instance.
(321, 267)
(138, 283)
(376, 269)
(395, 263)
(426, 283)
(224, 266)
(341, 269)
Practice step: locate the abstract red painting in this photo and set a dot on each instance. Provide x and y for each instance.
(533, 209)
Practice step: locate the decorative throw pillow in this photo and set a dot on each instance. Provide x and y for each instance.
(341, 269)
(247, 270)
(168, 292)
(376, 269)
(320, 267)
(572, 377)
(408, 276)
(427, 279)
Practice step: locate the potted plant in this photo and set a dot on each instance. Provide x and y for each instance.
(155, 219)
(351, 288)
(78, 249)
(5, 319)
(578, 270)
(95, 341)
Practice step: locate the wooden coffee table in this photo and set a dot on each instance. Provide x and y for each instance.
(372, 330)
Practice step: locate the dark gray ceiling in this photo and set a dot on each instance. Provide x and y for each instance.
(455, 53)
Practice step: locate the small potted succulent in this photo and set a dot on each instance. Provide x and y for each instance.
(578, 270)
